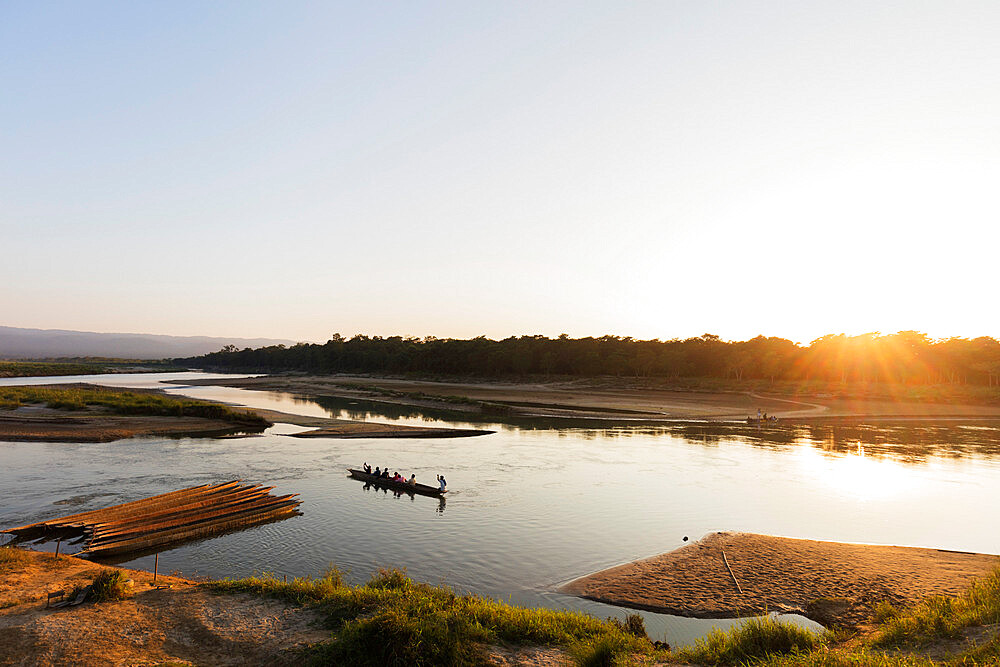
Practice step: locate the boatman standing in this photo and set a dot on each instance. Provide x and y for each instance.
(443, 483)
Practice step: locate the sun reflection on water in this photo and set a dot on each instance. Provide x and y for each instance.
(858, 475)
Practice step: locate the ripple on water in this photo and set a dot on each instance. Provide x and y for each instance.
(532, 507)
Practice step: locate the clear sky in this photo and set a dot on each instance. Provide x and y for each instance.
(654, 169)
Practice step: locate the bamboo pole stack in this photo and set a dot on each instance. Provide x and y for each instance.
(160, 521)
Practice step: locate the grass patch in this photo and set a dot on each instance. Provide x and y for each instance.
(941, 617)
(110, 585)
(12, 558)
(392, 620)
(124, 402)
(16, 369)
(826, 657)
(756, 638)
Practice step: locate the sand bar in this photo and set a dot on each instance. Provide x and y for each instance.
(830, 582)
(327, 427)
(589, 399)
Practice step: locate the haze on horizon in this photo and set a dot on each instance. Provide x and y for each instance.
(656, 170)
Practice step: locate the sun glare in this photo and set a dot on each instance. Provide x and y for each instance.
(857, 475)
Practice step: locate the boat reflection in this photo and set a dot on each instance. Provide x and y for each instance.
(397, 493)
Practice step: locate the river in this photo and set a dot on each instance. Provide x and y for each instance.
(535, 504)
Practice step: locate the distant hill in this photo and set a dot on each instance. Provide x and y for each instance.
(17, 343)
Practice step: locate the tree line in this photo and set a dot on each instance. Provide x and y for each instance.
(905, 357)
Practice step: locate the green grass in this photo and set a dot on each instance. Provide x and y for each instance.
(124, 402)
(755, 638)
(109, 585)
(392, 620)
(941, 617)
(828, 657)
(16, 369)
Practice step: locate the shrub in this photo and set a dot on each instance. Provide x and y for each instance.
(109, 585)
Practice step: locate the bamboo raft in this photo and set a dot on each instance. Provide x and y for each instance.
(160, 521)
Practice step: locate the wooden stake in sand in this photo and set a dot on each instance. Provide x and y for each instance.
(726, 560)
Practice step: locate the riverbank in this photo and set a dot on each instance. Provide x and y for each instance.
(264, 621)
(394, 620)
(185, 622)
(587, 399)
(80, 412)
(740, 574)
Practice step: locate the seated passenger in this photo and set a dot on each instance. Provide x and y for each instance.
(413, 479)
(378, 471)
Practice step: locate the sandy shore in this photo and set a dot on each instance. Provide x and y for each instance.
(581, 399)
(830, 582)
(345, 428)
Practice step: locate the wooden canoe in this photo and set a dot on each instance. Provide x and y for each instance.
(405, 487)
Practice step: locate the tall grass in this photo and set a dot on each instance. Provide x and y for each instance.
(12, 558)
(756, 638)
(392, 620)
(941, 617)
(124, 402)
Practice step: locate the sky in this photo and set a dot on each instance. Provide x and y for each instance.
(647, 169)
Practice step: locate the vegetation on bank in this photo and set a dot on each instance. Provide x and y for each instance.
(110, 585)
(392, 620)
(941, 617)
(906, 359)
(123, 402)
(83, 366)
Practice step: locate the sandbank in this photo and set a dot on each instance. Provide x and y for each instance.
(591, 399)
(830, 582)
(327, 427)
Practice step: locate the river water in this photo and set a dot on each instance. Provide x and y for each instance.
(534, 505)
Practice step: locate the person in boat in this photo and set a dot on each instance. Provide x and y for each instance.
(413, 479)
(367, 468)
(385, 473)
(443, 484)
(396, 477)
(378, 471)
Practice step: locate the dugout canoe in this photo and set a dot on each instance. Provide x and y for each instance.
(405, 487)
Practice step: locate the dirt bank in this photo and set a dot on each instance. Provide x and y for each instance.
(184, 623)
(584, 399)
(830, 582)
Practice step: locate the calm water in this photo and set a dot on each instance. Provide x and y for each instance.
(536, 504)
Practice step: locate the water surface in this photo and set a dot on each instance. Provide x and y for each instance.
(536, 504)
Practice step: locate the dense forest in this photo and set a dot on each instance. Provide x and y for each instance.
(905, 357)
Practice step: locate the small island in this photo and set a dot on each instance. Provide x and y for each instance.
(89, 413)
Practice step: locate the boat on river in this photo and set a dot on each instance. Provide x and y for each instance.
(405, 487)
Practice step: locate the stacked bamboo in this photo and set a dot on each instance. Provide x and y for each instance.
(159, 521)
